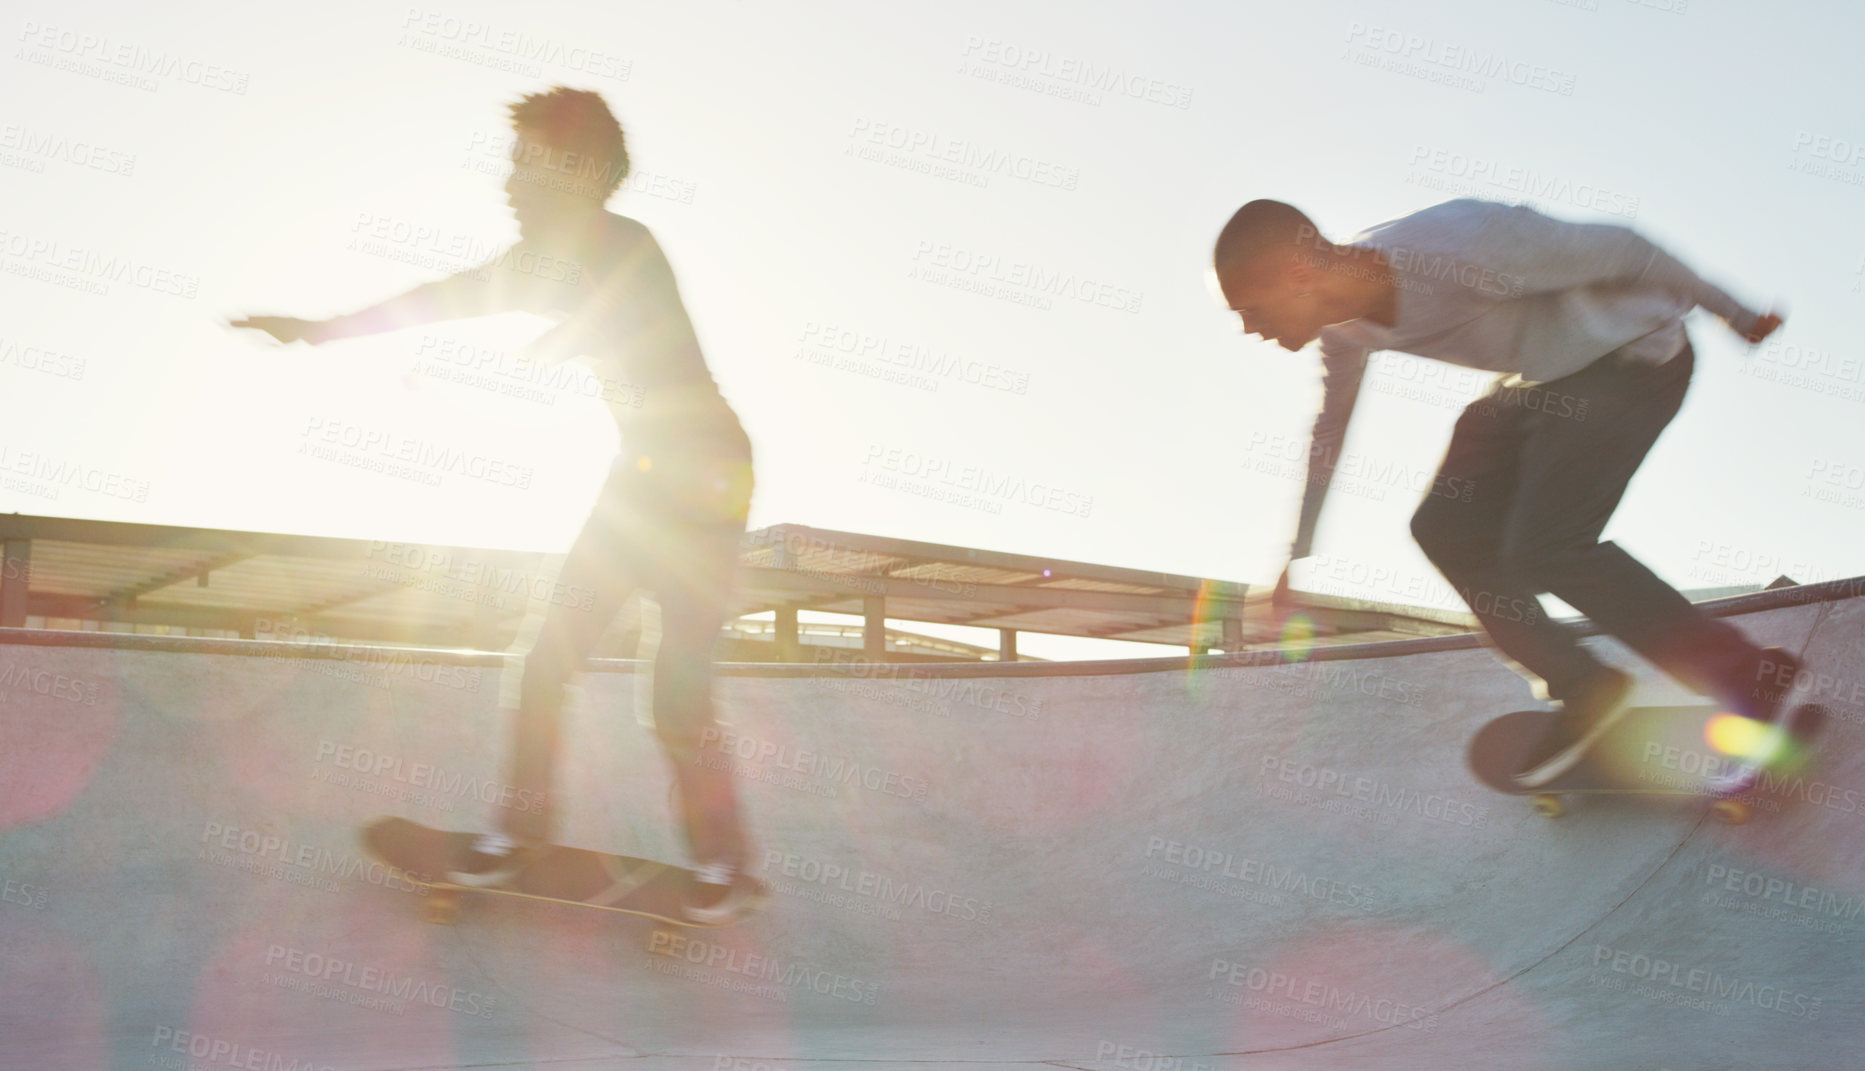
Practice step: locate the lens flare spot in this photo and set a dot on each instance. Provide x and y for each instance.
(1298, 636)
(1743, 738)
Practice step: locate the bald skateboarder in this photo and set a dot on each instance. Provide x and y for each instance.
(1584, 322)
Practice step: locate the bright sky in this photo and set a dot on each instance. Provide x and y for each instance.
(834, 183)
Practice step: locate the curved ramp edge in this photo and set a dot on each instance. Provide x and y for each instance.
(1238, 864)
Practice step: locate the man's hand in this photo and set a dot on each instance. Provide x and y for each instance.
(1763, 327)
(285, 328)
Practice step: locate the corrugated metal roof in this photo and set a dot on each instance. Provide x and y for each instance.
(222, 582)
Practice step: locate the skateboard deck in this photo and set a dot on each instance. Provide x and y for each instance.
(573, 876)
(1650, 751)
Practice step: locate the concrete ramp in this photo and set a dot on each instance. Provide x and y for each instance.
(1247, 864)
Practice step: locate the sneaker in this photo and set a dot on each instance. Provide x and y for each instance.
(719, 894)
(1584, 718)
(1763, 695)
(490, 859)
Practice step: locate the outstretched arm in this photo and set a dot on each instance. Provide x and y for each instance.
(457, 297)
(453, 298)
(1536, 253)
(504, 283)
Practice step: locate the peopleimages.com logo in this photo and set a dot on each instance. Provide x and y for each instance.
(429, 776)
(387, 989)
(1670, 977)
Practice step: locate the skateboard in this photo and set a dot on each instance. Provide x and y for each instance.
(573, 876)
(1652, 751)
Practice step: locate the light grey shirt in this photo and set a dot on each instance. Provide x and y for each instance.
(1505, 289)
(617, 307)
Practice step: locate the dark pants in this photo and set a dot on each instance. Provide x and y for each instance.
(668, 520)
(1530, 478)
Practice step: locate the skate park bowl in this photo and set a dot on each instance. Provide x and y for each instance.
(1259, 861)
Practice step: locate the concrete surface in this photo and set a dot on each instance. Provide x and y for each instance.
(1142, 866)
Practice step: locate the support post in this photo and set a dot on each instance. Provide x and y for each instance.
(483, 628)
(15, 580)
(789, 648)
(874, 628)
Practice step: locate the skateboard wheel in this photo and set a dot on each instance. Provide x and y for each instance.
(1730, 812)
(442, 909)
(1548, 806)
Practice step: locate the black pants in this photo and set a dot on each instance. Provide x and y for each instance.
(1530, 478)
(669, 520)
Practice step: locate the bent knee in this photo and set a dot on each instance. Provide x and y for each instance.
(1438, 534)
(1544, 564)
(681, 740)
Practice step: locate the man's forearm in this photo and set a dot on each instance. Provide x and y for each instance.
(1343, 372)
(1546, 254)
(456, 297)
(1672, 274)
(1321, 462)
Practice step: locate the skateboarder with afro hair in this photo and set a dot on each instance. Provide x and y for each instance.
(671, 514)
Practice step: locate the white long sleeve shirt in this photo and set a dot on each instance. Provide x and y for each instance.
(1506, 289)
(618, 310)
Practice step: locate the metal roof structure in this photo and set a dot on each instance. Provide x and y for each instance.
(72, 573)
(791, 567)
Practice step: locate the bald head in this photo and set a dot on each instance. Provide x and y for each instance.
(1287, 282)
(1263, 232)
